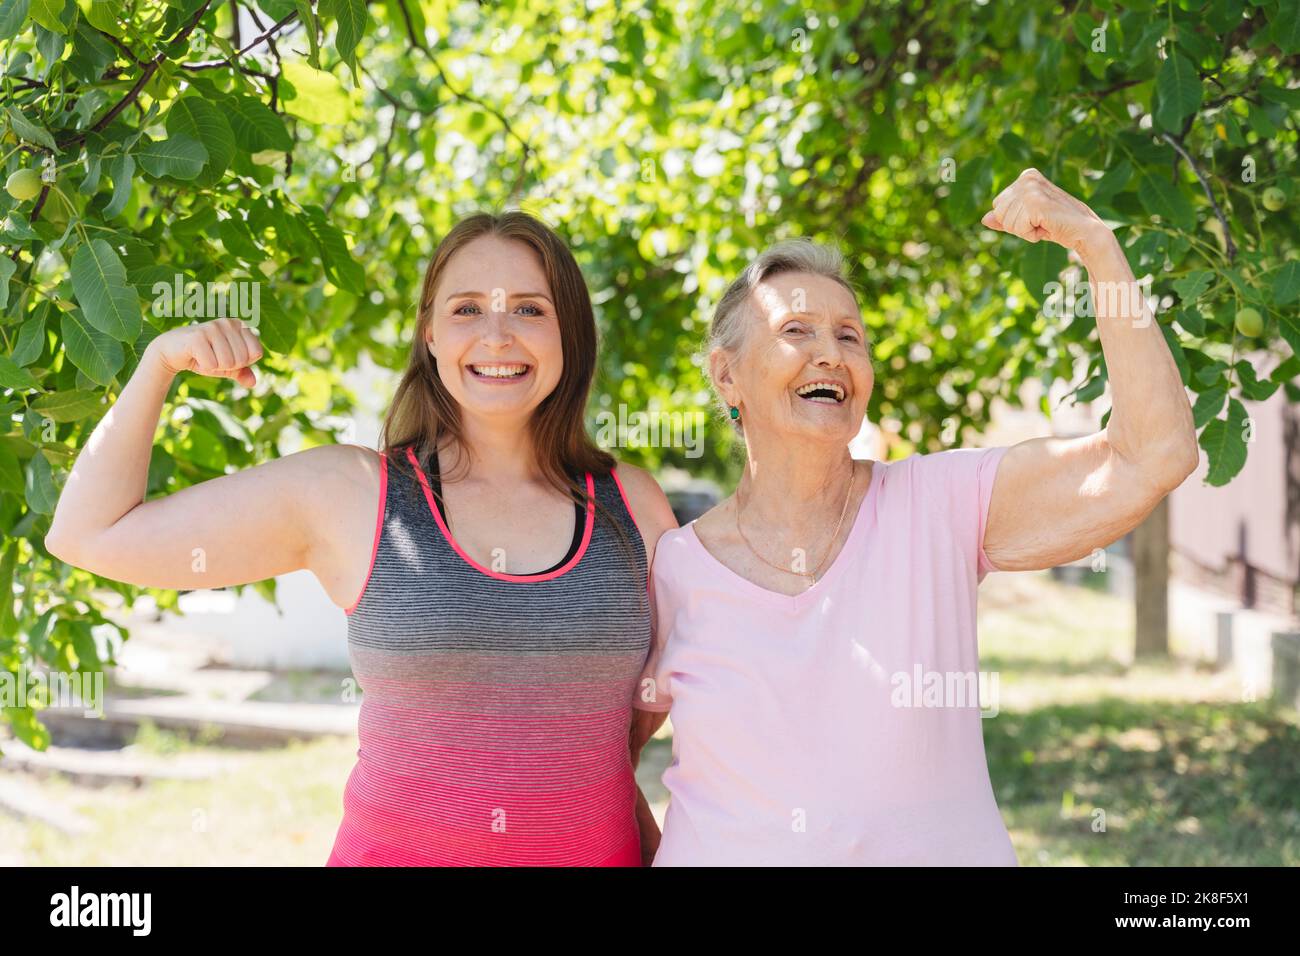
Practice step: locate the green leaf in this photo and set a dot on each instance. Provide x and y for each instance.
(1190, 286)
(31, 339)
(8, 620)
(1286, 284)
(103, 15)
(1161, 198)
(121, 169)
(255, 127)
(106, 296)
(39, 489)
(11, 471)
(99, 356)
(1041, 263)
(7, 268)
(1288, 324)
(14, 376)
(179, 156)
(238, 240)
(198, 119)
(46, 13)
(91, 53)
(311, 26)
(27, 130)
(352, 17)
(319, 96)
(216, 413)
(1179, 90)
(276, 330)
(13, 13)
(344, 270)
(1112, 181)
(1252, 387)
(1225, 445)
(1191, 319)
(1208, 404)
(1286, 28)
(68, 406)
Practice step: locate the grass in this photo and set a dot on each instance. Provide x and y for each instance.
(1095, 759)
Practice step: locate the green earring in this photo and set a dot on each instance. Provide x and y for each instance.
(735, 412)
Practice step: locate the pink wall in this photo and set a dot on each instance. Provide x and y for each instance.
(1204, 520)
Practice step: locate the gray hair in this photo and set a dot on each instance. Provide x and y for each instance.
(729, 325)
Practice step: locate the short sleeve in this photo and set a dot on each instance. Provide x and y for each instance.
(959, 485)
(986, 470)
(652, 688)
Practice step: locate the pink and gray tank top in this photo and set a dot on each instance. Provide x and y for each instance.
(494, 723)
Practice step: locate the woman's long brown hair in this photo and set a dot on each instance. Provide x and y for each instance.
(425, 417)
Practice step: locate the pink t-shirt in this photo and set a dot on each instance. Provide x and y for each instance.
(841, 726)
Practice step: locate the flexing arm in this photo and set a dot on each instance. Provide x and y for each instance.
(1056, 499)
(653, 515)
(234, 529)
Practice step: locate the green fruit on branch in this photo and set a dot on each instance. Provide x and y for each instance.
(24, 184)
(1249, 322)
(1274, 199)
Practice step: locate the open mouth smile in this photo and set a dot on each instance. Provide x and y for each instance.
(824, 393)
(501, 372)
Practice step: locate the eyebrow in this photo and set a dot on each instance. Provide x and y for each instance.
(850, 319)
(517, 295)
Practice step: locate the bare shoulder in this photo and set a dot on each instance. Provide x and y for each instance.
(343, 469)
(341, 487)
(335, 489)
(647, 502)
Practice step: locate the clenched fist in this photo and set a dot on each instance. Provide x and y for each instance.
(221, 348)
(1034, 208)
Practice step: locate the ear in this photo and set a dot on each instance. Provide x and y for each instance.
(720, 371)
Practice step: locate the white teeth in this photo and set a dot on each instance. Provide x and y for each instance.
(499, 371)
(803, 391)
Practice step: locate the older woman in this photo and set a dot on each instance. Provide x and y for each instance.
(816, 637)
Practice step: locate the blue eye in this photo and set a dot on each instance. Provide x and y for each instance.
(467, 305)
(536, 310)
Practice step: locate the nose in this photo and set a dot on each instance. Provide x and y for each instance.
(827, 353)
(496, 332)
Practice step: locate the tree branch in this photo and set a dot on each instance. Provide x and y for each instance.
(145, 75)
(1229, 245)
(230, 61)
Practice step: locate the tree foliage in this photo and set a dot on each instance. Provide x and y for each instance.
(319, 149)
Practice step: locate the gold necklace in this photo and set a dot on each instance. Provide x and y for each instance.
(812, 578)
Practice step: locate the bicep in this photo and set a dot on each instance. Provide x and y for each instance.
(234, 529)
(1058, 499)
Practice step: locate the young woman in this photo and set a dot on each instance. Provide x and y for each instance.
(488, 560)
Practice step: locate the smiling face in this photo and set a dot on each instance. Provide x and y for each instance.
(494, 332)
(803, 370)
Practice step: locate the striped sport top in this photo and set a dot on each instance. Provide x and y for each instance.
(494, 723)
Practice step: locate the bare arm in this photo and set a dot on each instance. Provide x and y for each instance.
(235, 529)
(654, 515)
(1054, 499)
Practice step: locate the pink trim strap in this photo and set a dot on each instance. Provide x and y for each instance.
(446, 532)
(613, 473)
(379, 528)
